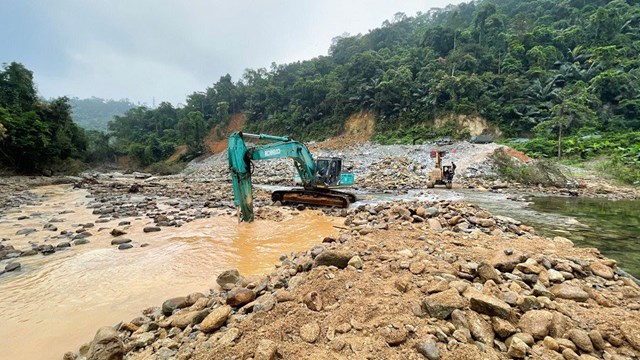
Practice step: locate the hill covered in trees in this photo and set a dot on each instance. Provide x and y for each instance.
(537, 68)
(35, 136)
(95, 113)
(540, 67)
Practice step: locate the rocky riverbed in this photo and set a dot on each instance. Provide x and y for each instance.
(377, 289)
(441, 280)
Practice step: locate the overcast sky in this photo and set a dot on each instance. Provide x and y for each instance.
(140, 49)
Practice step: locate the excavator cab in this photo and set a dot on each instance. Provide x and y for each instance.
(329, 173)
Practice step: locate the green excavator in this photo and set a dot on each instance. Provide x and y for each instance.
(319, 177)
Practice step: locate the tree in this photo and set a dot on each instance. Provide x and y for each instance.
(572, 110)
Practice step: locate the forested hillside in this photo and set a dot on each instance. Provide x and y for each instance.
(35, 136)
(529, 67)
(536, 68)
(95, 113)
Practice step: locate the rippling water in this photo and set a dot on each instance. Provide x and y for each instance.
(55, 303)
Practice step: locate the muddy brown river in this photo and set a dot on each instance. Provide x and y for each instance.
(53, 303)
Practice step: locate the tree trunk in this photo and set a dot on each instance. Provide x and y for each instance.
(560, 141)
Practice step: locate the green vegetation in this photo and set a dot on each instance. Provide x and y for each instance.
(95, 113)
(547, 68)
(543, 173)
(35, 136)
(620, 151)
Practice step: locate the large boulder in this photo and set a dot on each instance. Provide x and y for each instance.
(240, 296)
(228, 279)
(537, 323)
(172, 304)
(569, 292)
(337, 258)
(215, 319)
(106, 345)
(442, 304)
(489, 305)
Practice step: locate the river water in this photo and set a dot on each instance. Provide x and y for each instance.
(54, 303)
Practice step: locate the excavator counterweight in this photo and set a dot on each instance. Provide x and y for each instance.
(317, 177)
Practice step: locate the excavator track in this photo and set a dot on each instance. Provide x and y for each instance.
(314, 197)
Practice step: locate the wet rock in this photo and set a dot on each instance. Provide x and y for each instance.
(569, 292)
(429, 349)
(337, 258)
(117, 232)
(169, 306)
(536, 322)
(106, 345)
(81, 242)
(149, 229)
(517, 349)
(25, 231)
(228, 279)
(215, 319)
(489, 305)
(442, 304)
(309, 332)
(12, 266)
(120, 241)
(266, 350)
(125, 246)
(62, 245)
(46, 249)
(581, 339)
(240, 296)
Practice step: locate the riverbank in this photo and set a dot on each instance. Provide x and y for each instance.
(403, 281)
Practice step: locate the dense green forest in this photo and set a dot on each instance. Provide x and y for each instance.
(95, 113)
(35, 136)
(533, 67)
(536, 68)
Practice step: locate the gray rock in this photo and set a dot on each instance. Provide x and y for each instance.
(81, 241)
(429, 349)
(46, 249)
(442, 304)
(172, 304)
(25, 231)
(106, 345)
(120, 241)
(125, 246)
(228, 279)
(62, 245)
(149, 229)
(12, 266)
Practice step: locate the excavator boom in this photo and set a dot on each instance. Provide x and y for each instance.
(315, 191)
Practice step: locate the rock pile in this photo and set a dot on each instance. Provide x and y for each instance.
(393, 173)
(404, 281)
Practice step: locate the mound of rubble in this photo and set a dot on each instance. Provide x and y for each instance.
(438, 280)
(393, 173)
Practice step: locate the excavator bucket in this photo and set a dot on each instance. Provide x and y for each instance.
(239, 167)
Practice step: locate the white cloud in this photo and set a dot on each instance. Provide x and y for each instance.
(169, 48)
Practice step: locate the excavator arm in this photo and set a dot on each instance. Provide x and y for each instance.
(240, 158)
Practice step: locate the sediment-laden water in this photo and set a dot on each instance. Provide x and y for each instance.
(53, 302)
